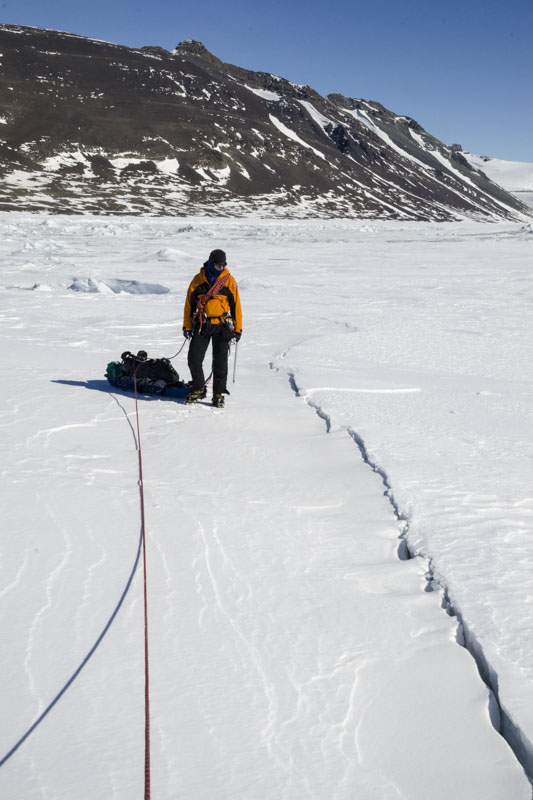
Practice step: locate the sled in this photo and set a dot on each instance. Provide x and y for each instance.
(148, 387)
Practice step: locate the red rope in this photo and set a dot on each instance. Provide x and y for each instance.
(179, 351)
(146, 666)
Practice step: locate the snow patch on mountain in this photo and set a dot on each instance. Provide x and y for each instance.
(515, 177)
(264, 94)
(294, 136)
(169, 166)
(323, 121)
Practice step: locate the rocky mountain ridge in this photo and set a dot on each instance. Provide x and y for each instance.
(91, 126)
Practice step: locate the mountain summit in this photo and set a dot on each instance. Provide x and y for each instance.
(92, 126)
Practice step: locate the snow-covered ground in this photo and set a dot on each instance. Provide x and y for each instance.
(382, 408)
(515, 176)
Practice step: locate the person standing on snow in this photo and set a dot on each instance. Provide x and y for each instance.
(212, 313)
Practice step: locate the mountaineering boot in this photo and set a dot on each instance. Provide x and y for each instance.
(196, 394)
(218, 400)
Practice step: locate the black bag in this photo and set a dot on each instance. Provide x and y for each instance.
(150, 369)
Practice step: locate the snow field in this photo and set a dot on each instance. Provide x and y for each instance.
(292, 653)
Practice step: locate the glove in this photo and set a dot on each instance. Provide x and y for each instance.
(187, 334)
(238, 337)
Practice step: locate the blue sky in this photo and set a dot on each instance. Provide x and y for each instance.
(463, 70)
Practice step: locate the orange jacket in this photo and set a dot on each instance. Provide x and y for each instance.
(226, 302)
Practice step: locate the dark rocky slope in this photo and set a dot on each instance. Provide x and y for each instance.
(92, 126)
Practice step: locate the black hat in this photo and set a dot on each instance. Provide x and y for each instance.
(218, 257)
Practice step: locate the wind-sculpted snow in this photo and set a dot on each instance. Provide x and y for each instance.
(116, 286)
(92, 286)
(434, 382)
(381, 410)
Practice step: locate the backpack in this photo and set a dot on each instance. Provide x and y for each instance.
(115, 370)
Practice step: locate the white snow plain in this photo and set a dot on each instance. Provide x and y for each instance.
(382, 408)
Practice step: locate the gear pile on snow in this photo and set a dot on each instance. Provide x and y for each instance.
(153, 375)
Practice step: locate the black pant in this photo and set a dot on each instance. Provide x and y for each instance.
(218, 335)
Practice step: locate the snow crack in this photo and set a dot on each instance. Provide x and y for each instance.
(499, 717)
